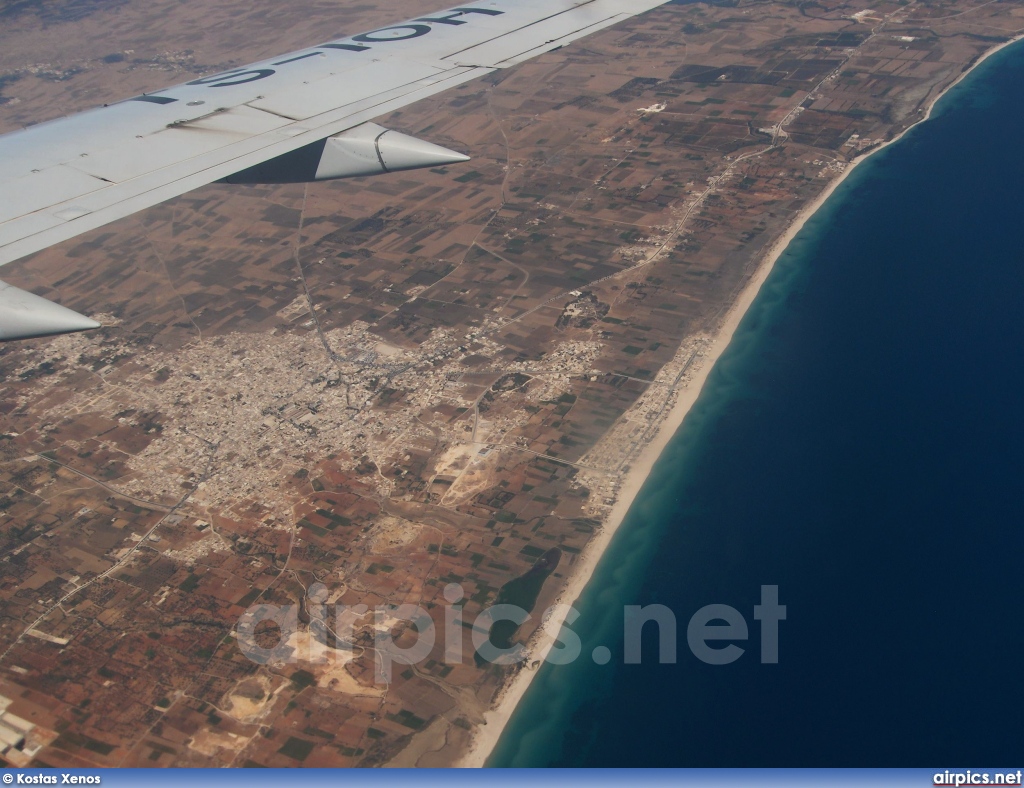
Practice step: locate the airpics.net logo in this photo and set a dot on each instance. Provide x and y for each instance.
(976, 778)
(316, 631)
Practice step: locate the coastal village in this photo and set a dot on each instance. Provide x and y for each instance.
(373, 389)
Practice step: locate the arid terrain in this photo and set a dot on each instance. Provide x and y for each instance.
(391, 384)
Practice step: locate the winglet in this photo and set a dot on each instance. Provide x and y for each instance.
(24, 316)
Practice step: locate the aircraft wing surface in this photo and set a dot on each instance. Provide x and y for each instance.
(65, 177)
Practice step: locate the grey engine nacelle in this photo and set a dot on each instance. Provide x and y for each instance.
(368, 149)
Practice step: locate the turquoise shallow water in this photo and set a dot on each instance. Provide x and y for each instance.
(861, 445)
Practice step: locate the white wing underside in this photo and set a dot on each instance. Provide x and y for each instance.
(68, 176)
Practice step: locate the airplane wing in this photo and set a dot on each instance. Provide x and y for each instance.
(299, 117)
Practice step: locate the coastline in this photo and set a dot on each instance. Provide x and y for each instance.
(485, 736)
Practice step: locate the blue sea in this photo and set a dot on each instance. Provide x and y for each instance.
(861, 446)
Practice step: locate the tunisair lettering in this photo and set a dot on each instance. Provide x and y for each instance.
(363, 43)
(405, 32)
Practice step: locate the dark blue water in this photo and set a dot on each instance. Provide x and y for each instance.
(861, 445)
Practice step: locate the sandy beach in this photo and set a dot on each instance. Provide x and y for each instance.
(486, 736)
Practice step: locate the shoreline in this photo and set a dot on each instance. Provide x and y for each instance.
(485, 736)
